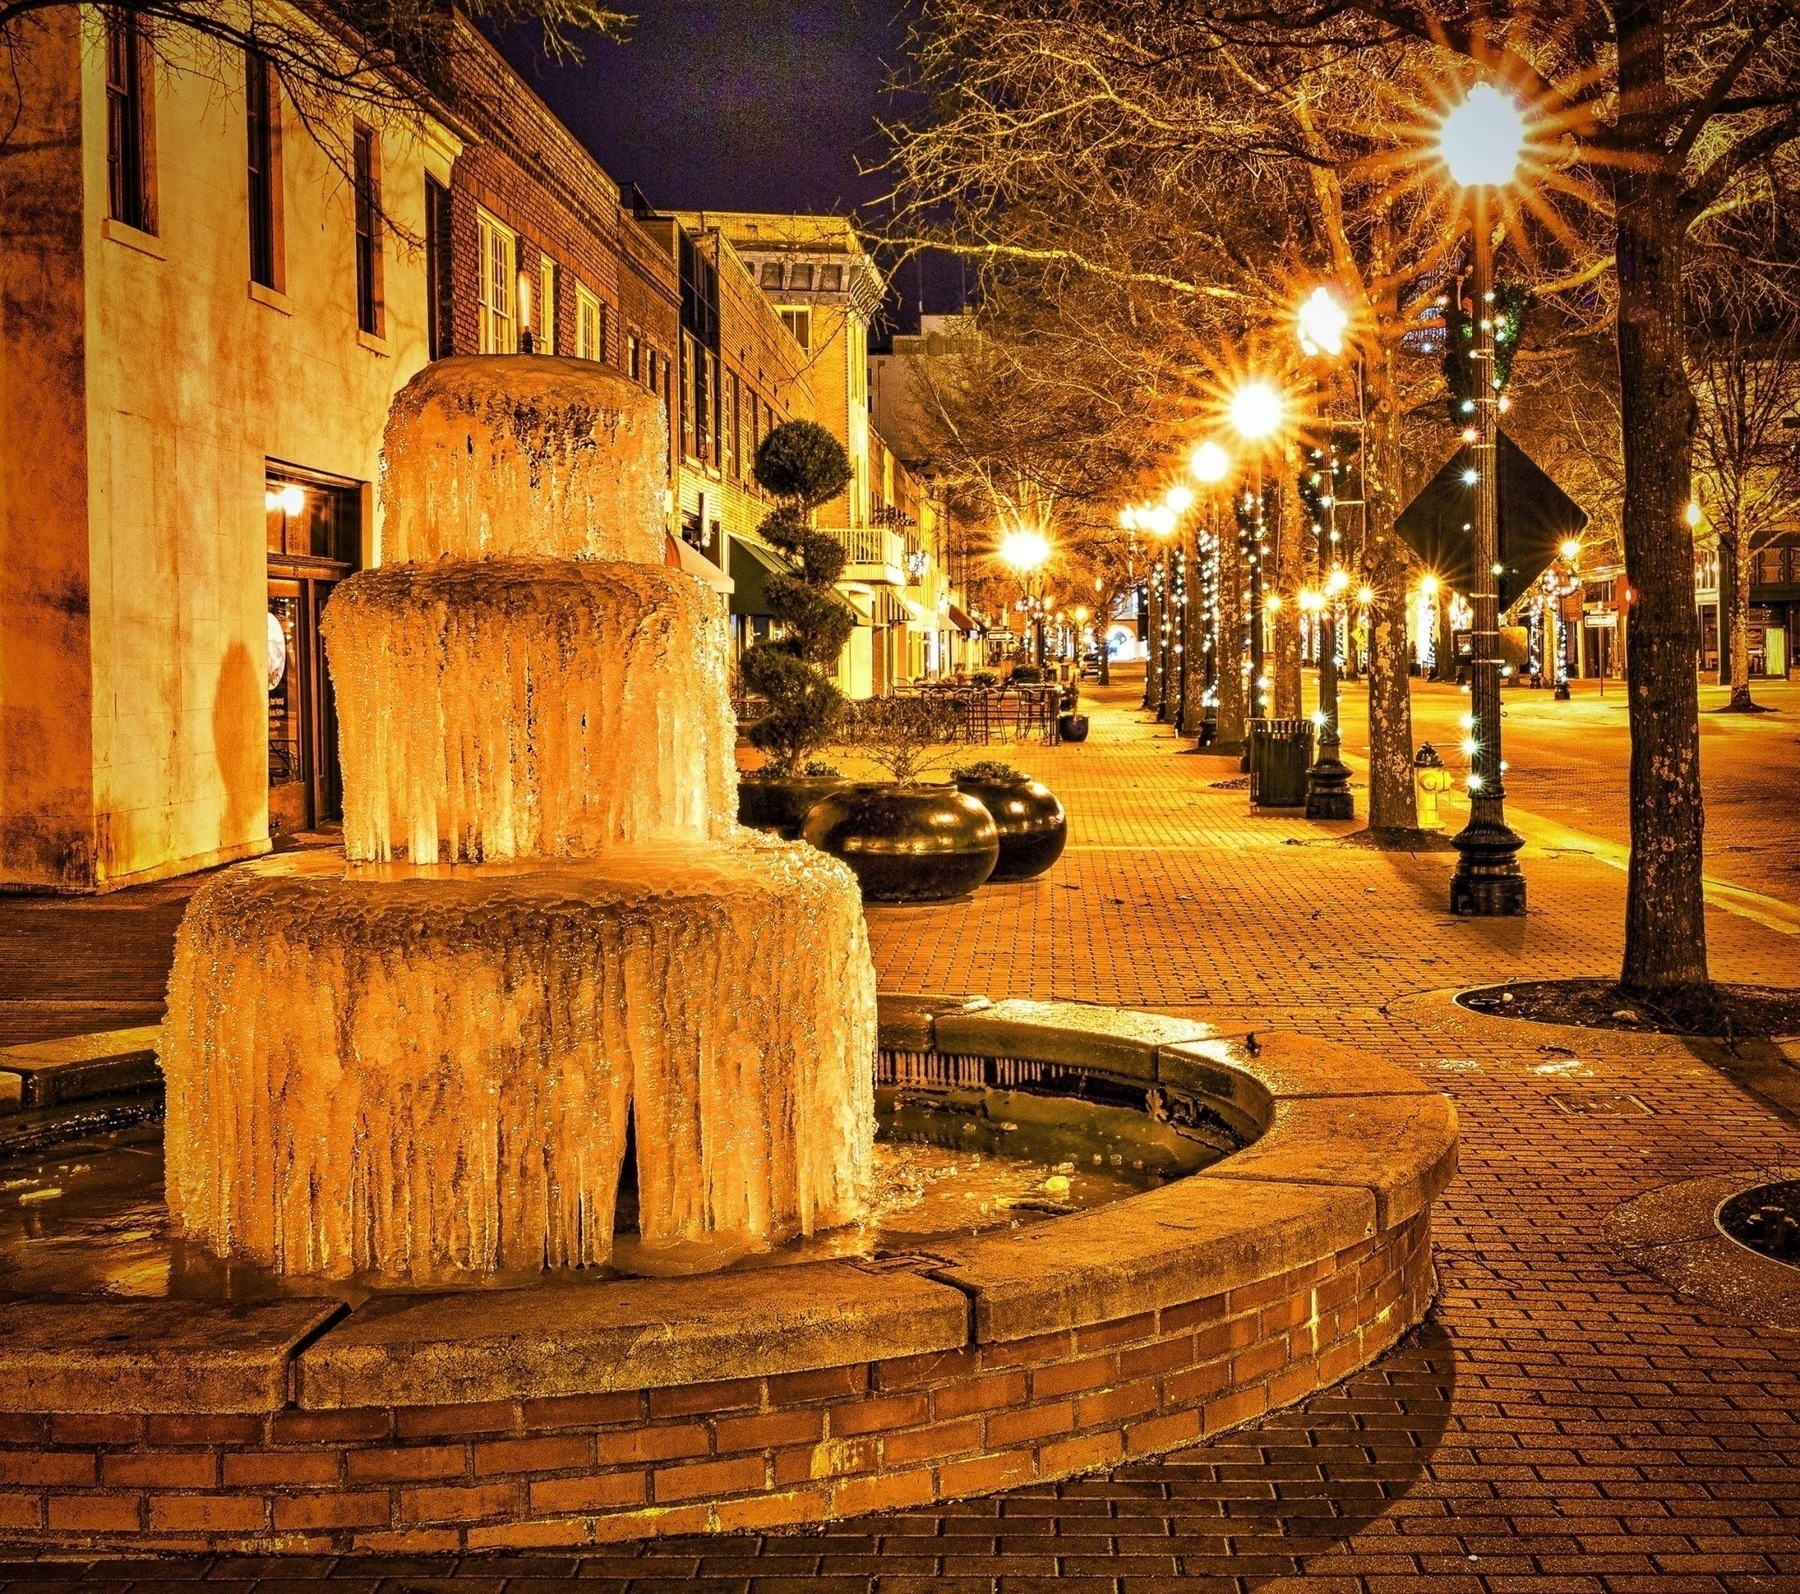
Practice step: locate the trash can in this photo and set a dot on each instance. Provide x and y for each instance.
(1281, 752)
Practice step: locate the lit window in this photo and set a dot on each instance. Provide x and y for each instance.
(499, 250)
(545, 341)
(590, 325)
(799, 322)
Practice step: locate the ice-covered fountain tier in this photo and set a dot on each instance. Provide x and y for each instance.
(420, 1058)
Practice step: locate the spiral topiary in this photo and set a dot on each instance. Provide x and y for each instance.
(804, 466)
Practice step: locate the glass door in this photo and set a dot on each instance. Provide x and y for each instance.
(314, 541)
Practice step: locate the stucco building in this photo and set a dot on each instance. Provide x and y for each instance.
(203, 320)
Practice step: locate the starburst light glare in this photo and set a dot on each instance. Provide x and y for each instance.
(1024, 550)
(1322, 322)
(1481, 140)
(1159, 520)
(1570, 551)
(1336, 582)
(1210, 463)
(1429, 585)
(1470, 477)
(1179, 498)
(1255, 410)
(1365, 596)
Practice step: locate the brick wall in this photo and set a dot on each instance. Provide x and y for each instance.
(530, 172)
(752, 1452)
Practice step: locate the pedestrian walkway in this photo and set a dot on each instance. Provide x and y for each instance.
(1564, 1422)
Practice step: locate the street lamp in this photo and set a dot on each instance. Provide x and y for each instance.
(1480, 143)
(1320, 328)
(1024, 553)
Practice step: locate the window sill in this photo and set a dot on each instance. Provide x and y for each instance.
(274, 298)
(372, 343)
(145, 243)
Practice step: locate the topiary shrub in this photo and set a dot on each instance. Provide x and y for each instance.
(804, 466)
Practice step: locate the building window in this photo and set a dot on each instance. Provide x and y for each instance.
(441, 338)
(634, 357)
(127, 124)
(799, 322)
(545, 341)
(686, 396)
(730, 433)
(590, 325)
(367, 169)
(771, 273)
(706, 398)
(800, 277)
(263, 122)
(831, 279)
(499, 249)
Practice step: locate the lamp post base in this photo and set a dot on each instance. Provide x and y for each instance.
(1487, 883)
(1328, 794)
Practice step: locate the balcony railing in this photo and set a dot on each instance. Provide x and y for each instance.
(875, 554)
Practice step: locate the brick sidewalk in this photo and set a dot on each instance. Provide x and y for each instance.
(1563, 1421)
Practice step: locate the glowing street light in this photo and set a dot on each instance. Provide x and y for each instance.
(1024, 551)
(1209, 463)
(1322, 321)
(1179, 499)
(1482, 139)
(1256, 411)
(1693, 512)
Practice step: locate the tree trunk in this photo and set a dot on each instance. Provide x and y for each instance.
(1665, 908)
(1742, 574)
(1393, 802)
(1290, 565)
(1233, 710)
(1193, 646)
(1728, 583)
(1153, 645)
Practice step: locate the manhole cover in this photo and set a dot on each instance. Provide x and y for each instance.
(1600, 1103)
(1766, 1219)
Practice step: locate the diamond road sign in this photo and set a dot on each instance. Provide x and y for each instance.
(1536, 518)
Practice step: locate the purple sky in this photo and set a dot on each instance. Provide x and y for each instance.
(741, 105)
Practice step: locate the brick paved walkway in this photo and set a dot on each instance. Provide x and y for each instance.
(1563, 1421)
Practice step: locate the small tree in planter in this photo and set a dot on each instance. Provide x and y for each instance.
(804, 466)
(906, 736)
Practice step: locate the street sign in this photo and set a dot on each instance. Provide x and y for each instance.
(1536, 518)
(1608, 621)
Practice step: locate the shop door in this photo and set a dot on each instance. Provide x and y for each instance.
(314, 540)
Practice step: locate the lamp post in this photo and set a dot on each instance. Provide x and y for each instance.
(1480, 142)
(1321, 325)
(1024, 553)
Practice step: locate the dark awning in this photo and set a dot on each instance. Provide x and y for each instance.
(751, 566)
(961, 621)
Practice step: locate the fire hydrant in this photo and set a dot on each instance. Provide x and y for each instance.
(1433, 781)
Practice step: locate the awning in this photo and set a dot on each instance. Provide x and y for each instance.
(751, 566)
(679, 554)
(961, 621)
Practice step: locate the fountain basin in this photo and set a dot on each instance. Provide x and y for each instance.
(421, 1071)
(564, 1415)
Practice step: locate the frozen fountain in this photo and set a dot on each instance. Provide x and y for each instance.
(419, 1059)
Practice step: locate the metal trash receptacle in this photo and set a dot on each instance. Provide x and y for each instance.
(1281, 752)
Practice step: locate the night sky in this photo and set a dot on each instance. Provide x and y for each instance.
(742, 105)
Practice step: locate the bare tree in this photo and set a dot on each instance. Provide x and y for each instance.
(1744, 361)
